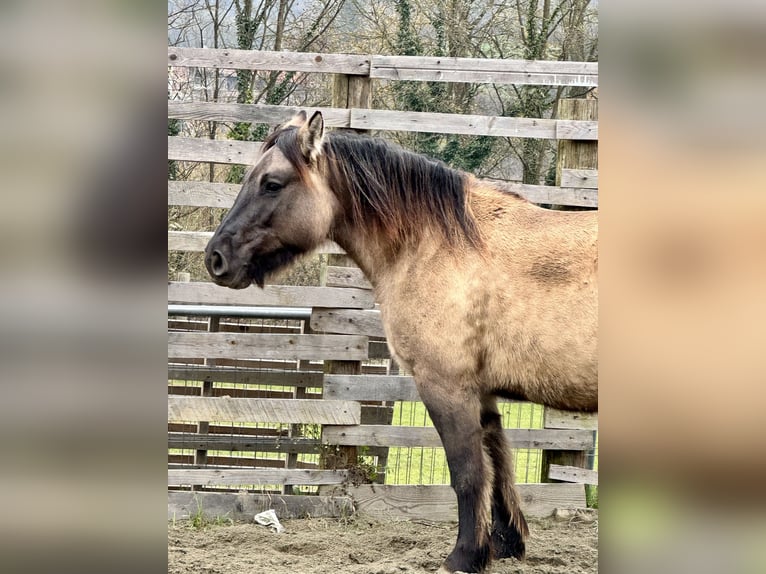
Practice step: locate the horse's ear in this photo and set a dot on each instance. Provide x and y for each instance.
(310, 136)
(297, 120)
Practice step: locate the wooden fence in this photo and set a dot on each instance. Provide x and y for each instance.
(282, 390)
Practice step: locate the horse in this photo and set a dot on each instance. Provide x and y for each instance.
(483, 295)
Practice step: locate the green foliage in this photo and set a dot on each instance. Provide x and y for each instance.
(174, 128)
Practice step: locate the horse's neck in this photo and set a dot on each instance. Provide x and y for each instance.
(369, 252)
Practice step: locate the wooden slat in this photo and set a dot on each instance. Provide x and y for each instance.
(587, 178)
(253, 113)
(202, 193)
(242, 506)
(264, 60)
(576, 130)
(240, 443)
(383, 435)
(348, 322)
(246, 376)
(220, 409)
(216, 151)
(551, 194)
(440, 69)
(346, 277)
(438, 502)
(472, 124)
(264, 346)
(556, 419)
(271, 295)
(197, 240)
(214, 477)
(370, 388)
(572, 474)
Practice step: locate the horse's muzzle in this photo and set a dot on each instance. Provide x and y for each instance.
(221, 266)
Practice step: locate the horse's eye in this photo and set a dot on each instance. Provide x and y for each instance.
(272, 187)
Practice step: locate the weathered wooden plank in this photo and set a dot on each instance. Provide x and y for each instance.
(452, 123)
(370, 388)
(216, 151)
(348, 322)
(194, 391)
(222, 409)
(240, 443)
(383, 435)
(242, 506)
(264, 346)
(271, 295)
(202, 193)
(253, 113)
(484, 65)
(586, 178)
(550, 194)
(576, 130)
(197, 240)
(572, 474)
(556, 419)
(346, 277)
(231, 59)
(438, 502)
(440, 69)
(226, 476)
(246, 376)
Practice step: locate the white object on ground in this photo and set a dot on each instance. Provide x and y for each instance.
(269, 518)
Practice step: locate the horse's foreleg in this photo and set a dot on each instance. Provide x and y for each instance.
(509, 528)
(457, 418)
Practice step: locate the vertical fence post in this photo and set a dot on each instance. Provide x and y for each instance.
(577, 154)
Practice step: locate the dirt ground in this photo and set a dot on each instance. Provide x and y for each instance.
(366, 546)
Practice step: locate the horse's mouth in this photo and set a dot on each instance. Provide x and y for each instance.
(264, 264)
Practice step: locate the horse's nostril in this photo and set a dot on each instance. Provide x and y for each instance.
(218, 265)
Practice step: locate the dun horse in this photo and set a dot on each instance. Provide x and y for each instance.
(482, 294)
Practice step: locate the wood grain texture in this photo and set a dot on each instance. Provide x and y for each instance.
(370, 388)
(219, 476)
(478, 70)
(572, 474)
(346, 277)
(216, 151)
(348, 322)
(222, 409)
(438, 502)
(242, 506)
(271, 295)
(264, 346)
(231, 59)
(550, 194)
(557, 419)
(240, 443)
(202, 193)
(587, 178)
(383, 435)
(253, 113)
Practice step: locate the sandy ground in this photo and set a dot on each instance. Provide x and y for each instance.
(365, 546)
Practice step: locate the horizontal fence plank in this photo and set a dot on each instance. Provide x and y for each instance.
(572, 474)
(197, 240)
(253, 113)
(394, 120)
(216, 151)
(370, 388)
(271, 295)
(346, 277)
(242, 506)
(246, 376)
(220, 476)
(222, 409)
(557, 419)
(550, 194)
(202, 193)
(384, 435)
(231, 59)
(587, 178)
(438, 502)
(205, 441)
(442, 69)
(348, 322)
(265, 346)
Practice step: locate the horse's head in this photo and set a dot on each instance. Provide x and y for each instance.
(282, 211)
